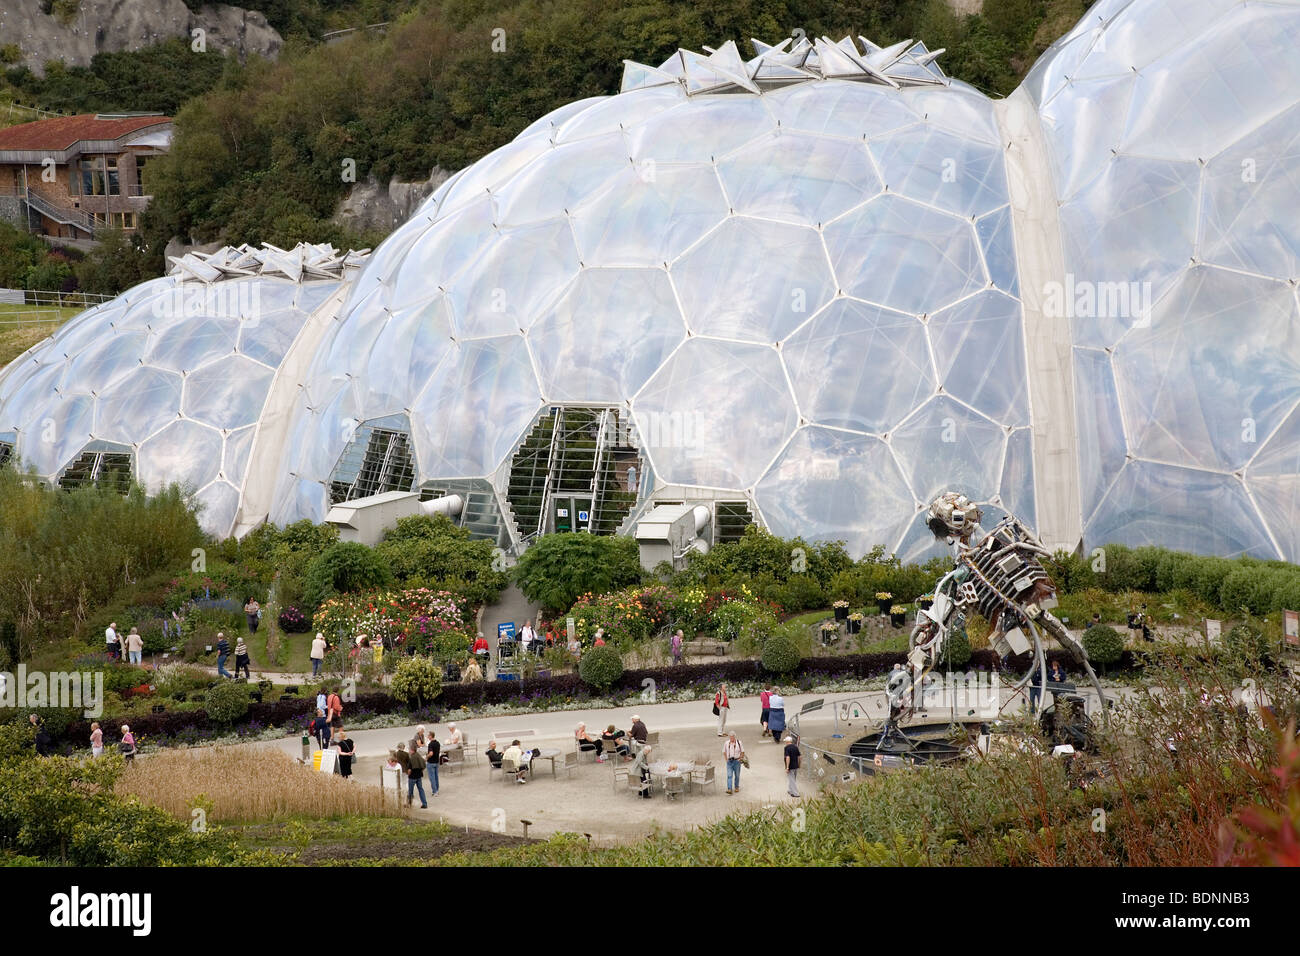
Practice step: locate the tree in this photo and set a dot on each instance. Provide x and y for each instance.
(114, 265)
(417, 681)
(560, 568)
(433, 551)
(344, 567)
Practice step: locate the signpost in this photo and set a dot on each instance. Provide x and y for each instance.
(1213, 630)
(1291, 627)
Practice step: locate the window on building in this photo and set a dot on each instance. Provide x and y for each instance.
(124, 220)
(99, 176)
(140, 162)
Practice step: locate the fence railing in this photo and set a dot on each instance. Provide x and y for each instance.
(54, 299)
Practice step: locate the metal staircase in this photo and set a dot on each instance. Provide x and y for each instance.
(571, 459)
(65, 215)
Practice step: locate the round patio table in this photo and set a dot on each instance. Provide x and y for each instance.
(660, 769)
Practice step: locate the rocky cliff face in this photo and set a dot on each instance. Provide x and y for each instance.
(110, 26)
(372, 205)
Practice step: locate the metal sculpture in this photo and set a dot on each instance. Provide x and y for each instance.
(1000, 575)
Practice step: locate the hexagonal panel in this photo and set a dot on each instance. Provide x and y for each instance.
(941, 169)
(1218, 368)
(1148, 504)
(184, 452)
(715, 414)
(947, 447)
(905, 256)
(609, 333)
(515, 276)
(473, 411)
(138, 405)
(799, 178)
(648, 216)
(1245, 187)
(859, 366)
(979, 351)
(227, 393)
(830, 485)
(724, 296)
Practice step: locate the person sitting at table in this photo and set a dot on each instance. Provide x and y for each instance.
(614, 740)
(455, 741)
(493, 755)
(588, 742)
(638, 731)
(642, 768)
(516, 754)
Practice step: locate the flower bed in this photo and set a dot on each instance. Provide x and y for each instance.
(421, 616)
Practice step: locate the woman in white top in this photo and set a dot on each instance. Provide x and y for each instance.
(96, 741)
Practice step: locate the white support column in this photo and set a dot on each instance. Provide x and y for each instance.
(270, 442)
(1040, 259)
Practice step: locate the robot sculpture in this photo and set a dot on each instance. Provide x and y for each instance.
(1000, 575)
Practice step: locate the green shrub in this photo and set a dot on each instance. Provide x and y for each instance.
(1103, 644)
(431, 551)
(226, 702)
(956, 652)
(342, 568)
(1245, 644)
(560, 568)
(417, 681)
(600, 666)
(780, 656)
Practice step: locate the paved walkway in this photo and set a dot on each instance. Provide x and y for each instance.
(588, 801)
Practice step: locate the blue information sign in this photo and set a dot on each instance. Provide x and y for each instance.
(506, 631)
(582, 515)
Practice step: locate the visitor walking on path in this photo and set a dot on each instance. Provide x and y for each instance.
(96, 741)
(223, 655)
(721, 705)
(320, 729)
(334, 708)
(763, 700)
(791, 766)
(415, 776)
(734, 752)
(253, 611)
(112, 643)
(317, 654)
(127, 746)
(241, 659)
(776, 715)
(677, 647)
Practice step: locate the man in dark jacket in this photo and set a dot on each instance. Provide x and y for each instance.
(320, 729)
(44, 744)
(638, 731)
